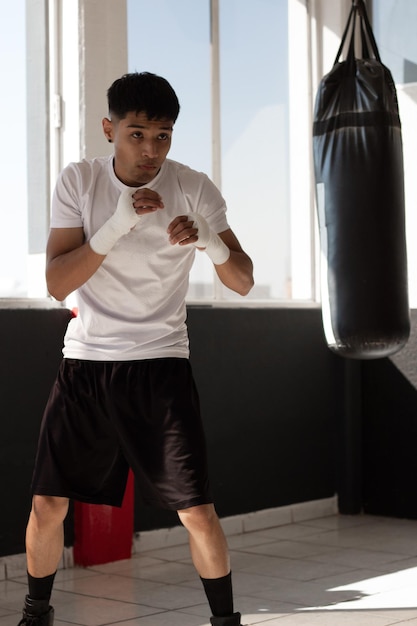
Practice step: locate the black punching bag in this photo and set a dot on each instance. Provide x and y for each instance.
(358, 162)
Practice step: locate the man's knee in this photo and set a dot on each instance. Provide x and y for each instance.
(199, 518)
(48, 509)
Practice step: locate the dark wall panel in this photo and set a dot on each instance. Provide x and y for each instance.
(389, 417)
(31, 343)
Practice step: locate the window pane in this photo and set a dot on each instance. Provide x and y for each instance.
(254, 122)
(24, 176)
(177, 47)
(394, 32)
(13, 177)
(395, 35)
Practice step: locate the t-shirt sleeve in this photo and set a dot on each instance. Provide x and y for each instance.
(202, 196)
(212, 206)
(66, 206)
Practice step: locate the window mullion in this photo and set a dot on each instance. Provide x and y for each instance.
(215, 114)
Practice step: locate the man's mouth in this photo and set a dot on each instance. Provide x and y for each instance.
(148, 167)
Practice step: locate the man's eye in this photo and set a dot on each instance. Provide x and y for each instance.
(164, 137)
(137, 135)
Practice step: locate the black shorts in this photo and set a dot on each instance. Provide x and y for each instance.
(104, 417)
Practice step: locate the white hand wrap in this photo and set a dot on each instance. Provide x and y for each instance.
(215, 247)
(120, 223)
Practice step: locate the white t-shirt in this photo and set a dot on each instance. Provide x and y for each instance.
(133, 307)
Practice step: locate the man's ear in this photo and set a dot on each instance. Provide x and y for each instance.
(107, 129)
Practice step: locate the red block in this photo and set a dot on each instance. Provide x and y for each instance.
(104, 533)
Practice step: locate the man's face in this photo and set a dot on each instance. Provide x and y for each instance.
(140, 146)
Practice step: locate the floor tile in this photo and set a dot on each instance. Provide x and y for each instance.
(294, 569)
(355, 557)
(172, 553)
(291, 549)
(332, 618)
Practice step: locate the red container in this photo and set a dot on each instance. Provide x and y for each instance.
(104, 533)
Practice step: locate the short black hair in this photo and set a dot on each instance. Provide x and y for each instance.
(143, 92)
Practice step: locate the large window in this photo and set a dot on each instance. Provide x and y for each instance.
(245, 72)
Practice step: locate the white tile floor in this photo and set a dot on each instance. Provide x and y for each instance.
(333, 570)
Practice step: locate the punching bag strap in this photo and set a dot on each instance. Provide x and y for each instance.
(367, 33)
(365, 48)
(345, 34)
(368, 42)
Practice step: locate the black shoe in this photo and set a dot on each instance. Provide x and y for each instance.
(229, 620)
(37, 613)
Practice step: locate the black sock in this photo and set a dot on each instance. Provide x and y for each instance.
(40, 588)
(219, 594)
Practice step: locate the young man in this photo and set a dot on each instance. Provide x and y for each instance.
(124, 232)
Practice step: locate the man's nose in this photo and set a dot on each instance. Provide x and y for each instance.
(149, 149)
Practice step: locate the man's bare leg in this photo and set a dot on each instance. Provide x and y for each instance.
(210, 556)
(208, 544)
(44, 546)
(45, 535)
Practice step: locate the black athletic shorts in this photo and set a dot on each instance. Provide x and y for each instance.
(104, 417)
